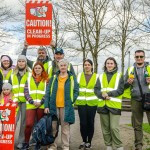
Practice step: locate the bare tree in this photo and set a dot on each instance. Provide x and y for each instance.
(125, 26)
(88, 21)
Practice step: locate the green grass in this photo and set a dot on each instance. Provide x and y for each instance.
(146, 127)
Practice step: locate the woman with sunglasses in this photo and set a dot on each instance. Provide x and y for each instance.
(87, 103)
(109, 89)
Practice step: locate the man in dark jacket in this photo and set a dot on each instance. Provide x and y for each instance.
(142, 68)
(42, 57)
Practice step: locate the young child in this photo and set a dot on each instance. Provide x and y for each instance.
(6, 95)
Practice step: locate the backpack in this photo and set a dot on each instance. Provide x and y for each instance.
(46, 130)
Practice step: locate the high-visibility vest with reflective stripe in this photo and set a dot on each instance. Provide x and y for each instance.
(71, 87)
(5, 79)
(18, 88)
(114, 102)
(86, 91)
(50, 70)
(36, 92)
(127, 92)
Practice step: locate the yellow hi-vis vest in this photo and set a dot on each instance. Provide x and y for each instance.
(18, 88)
(35, 92)
(50, 70)
(113, 102)
(71, 87)
(86, 91)
(127, 92)
(5, 79)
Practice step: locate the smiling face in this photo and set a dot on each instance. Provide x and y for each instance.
(110, 65)
(63, 67)
(58, 56)
(6, 63)
(87, 67)
(6, 91)
(38, 70)
(21, 64)
(139, 58)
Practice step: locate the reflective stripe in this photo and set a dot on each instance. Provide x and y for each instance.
(37, 91)
(107, 89)
(101, 80)
(87, 98)
(111, 99)
(117, 81)
(15, 100)
(115, 99)
(37, 100)
(19, 94)
(86, 90)
(17, 86)
(5, 81)
(79, 77)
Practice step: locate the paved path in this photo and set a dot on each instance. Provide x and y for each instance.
(126, 132)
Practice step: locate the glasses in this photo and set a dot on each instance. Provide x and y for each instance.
(139, 56)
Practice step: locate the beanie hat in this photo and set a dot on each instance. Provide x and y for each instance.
(5, 58)
(41, 48)
(7, 86)
(22, 57)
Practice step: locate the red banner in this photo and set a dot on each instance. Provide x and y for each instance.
(7, 117)
(38, 22)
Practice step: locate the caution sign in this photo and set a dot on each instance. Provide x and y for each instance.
(38, 22)
(7, 127)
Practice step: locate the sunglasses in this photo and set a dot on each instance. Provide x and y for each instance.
(139, 56)
(41, 53)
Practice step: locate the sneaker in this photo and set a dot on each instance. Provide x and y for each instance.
(25, 146)
(82, 145)
(19, 146)
(88, 146)
(109, 148)
(37, 147)
(32, 142)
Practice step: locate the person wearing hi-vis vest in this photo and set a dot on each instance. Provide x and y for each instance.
(139, 71)
(34, 91)
(87, 103)
(61, 94)
(6, 67)
(58, 55)
(18, 79)
(109, 89)
(42, 57)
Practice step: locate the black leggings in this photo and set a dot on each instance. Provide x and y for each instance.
(87, 116)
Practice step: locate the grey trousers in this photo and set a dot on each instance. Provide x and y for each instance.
(137, 121)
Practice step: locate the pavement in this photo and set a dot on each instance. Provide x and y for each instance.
(127, 134)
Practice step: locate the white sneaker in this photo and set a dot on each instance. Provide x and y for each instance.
(109, 148)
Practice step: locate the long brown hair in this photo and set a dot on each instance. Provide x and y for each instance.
(44, 75)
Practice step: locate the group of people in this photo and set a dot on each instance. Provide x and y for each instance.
(52, 87)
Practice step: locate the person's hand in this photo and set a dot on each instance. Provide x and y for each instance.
(107, 98)
(130, 80)
(52, 43)
(25, 44)
(148, 80)
(104, 95)
(37, 104)
(46, 110)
